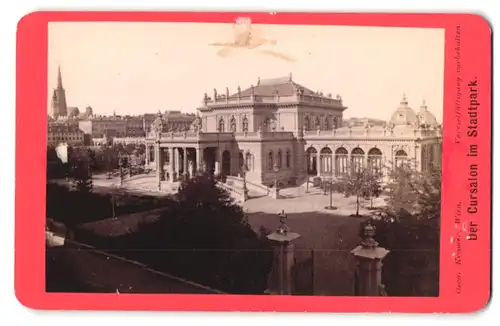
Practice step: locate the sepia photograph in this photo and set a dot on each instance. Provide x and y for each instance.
(243, 158)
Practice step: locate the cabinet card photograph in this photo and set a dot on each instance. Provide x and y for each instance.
(265, 161)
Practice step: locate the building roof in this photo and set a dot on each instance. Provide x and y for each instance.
(282, 86)
(425, 117)
(63, 128)
(404, 115)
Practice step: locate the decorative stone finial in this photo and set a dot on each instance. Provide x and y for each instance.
(227, 92)
(290, 77)
(283, 228)
(423, 106)
(205, 98)
(404, 100)
(258, 81)
(215, 94)
(239, 91)
(252, 89)
(368, 236)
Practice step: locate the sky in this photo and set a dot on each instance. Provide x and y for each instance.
(135, 68)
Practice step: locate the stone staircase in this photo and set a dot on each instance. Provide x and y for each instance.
(255, 190)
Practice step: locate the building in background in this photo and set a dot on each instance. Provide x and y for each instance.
(59, 107)
(117, 126)
(58, 133)
(114, 126)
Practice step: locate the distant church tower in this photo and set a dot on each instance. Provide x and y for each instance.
(59, 107)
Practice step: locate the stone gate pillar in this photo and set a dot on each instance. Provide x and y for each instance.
(369, 256)
(280, 279)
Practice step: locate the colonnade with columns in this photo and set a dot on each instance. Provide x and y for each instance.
(176, 163)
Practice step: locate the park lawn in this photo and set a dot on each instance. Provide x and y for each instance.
(114, 227)
(327, 240)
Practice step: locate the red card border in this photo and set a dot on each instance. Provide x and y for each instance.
(31, 97)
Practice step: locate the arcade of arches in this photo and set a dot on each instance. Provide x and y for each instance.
(326, 161)
(341, 161)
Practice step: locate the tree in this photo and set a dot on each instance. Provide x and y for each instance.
(129, 148)
(409, 227)
(355, 184)
(205, 238)
(110, 160)
(82, 176)
(413, 193)
(373, 187)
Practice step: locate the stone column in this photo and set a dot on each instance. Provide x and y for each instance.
(174, 163)
(160, 172)
(199, 159)
(332, 166)
(318, 164)
(171, 164)
(146, 164)
(369, 258)
(280, 278)
(185, 163)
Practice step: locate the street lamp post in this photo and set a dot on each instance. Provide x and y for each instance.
(276, 170)
(244, 171)
(113, 202)
(331, 207)
(276, 192)
(120, 162)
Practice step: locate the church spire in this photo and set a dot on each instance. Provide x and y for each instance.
(59, 78)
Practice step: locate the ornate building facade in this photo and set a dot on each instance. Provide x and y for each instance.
(279, 129)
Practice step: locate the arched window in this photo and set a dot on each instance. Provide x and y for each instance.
(357, 160)
(431, 156)
(270, 161)
(221, 125)
(341, 161)
(244, 125)
(232, 125)
(401, 158)
(279, 158)
(311, 161)
(287, 159)
(151, 154)
(375, 161)
(325, 156)
(335, 123)
(248, 161)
